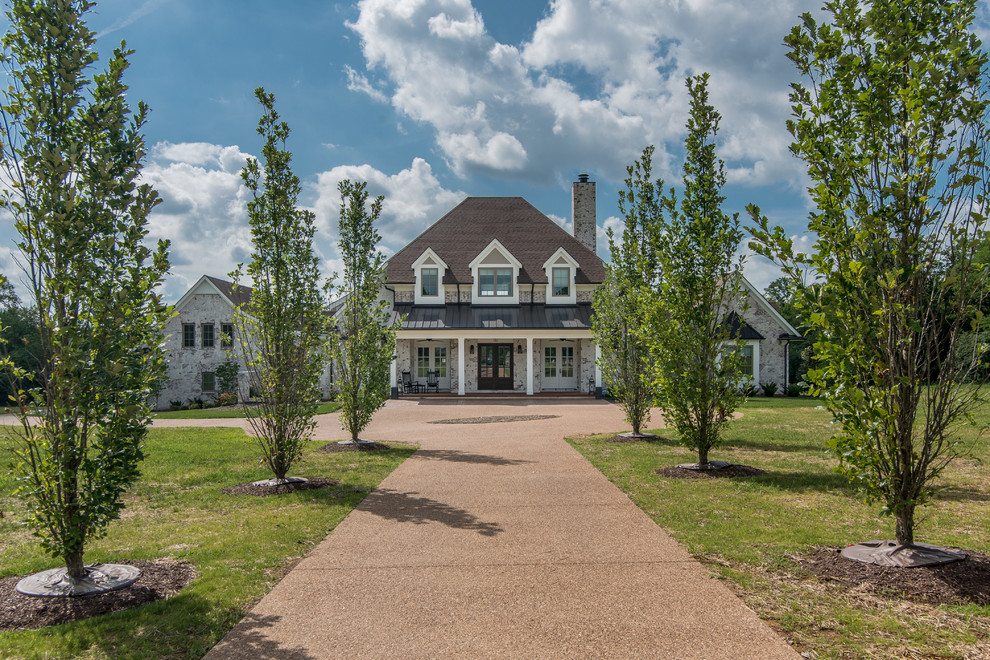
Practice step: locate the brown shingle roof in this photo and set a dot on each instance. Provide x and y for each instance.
(468, 228)
(242, 295)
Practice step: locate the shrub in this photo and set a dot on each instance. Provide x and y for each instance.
(226, 375)
(195, 406)
(227, 399)
(209, 404)
(175, 404)
(749, 390)
(769, 389)
(793, 390)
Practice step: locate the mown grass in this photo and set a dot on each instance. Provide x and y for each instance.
(749, 529)
(229, 412)
(239, 545)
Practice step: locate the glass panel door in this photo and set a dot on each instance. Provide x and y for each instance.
(495, 367)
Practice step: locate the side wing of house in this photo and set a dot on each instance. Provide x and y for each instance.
(767, 335)
(197, 341)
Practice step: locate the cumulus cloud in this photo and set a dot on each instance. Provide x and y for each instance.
(203, 211)
(598, 80)
(414, 199)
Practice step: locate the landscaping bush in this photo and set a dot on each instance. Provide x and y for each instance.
(769, 389)
(175, 405)
(195, 406)
(793, 390)
(227, 399)
(209, 404)
(749, 390)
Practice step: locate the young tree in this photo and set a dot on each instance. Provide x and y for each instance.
(363, 343)
(72, 153)
(281, 329)
(698, 372)
(626, 361)
(892, 123)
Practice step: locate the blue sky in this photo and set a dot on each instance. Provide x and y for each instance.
(431, 101)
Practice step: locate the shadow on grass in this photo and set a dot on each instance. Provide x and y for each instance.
(772, 445)
(248, 640)
(408, 508)
(963, 495)
(805, 481)
(455, 456)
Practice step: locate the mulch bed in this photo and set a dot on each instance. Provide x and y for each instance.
(960, 582)
(674, 472)
(159, 579)
(493, 419)
(333, 447)
(312, 483)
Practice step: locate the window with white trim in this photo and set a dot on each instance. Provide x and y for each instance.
(561, 281)
(494, 282)
(429, 282)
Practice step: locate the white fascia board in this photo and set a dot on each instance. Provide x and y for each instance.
(765, 304)
(429, 254)
(561, 252)
(495, 245)
(194, 290)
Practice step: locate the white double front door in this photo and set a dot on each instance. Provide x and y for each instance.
(559, 371)
(432, 356)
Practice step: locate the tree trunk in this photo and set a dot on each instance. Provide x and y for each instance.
(74, 564)
(904, 527)
(702, 455)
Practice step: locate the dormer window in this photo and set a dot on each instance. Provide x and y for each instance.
(429, 285)
(495, 271)
(561, 270)
(561, 281)
(494, 281)
(429, 269)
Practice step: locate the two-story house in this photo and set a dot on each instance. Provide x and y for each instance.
(495, 297)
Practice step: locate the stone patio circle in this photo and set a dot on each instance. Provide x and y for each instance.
(100, 578)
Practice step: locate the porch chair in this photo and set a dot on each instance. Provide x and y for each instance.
(408, 385)
(433, 381)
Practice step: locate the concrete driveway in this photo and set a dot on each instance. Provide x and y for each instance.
(497, 540)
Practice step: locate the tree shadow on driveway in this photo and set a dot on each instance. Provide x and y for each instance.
(456, 456)
(408, 508)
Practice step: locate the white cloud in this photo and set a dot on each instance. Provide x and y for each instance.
(414, 199)
(203, 211)
(146, 8)
(359, 83)
(598, 80)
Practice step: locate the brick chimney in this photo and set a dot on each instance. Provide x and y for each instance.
(583, 212)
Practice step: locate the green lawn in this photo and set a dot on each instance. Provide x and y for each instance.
(746, 529)
(229, 412)
(237, 544)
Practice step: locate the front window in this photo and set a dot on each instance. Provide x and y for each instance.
(429, 278)
(495, 281)
(209, 381)
(746, 359)
(227, 330)
(207, 335)
(561, 281)
(189, 335)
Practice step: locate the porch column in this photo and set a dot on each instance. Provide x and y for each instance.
(461, 359)
(598, 372)
(529, 366)
(393, 380)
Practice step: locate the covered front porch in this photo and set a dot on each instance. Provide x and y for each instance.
(485, 362)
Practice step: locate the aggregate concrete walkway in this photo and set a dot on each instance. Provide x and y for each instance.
(498, 540)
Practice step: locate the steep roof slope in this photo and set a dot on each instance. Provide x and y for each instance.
(468, 228)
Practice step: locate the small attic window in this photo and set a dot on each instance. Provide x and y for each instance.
(561, 281)
(429, 282)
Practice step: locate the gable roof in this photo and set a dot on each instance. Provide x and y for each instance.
(470, 227)
(216, 285)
